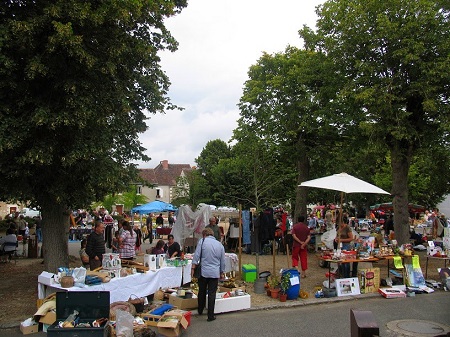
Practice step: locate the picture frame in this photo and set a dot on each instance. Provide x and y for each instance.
(347, 286)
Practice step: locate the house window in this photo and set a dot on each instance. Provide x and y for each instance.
(138, 189)
(158, 193)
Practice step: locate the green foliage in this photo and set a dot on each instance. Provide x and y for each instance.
(285, 282)
(211, 154)
(253, 177)
(393, 56)
(273, 281)
(289, 104)
(131, 198)
(192, 189)
(76, 79)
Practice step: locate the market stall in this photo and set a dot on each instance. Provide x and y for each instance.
(121, 288)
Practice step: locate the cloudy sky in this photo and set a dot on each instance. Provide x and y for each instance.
(218, 42)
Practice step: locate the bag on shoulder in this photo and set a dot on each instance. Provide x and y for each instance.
(198, 271)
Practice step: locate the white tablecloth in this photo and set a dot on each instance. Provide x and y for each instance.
(231, 262)
(140, 284)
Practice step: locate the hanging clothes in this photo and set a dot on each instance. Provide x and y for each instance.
(246, 227)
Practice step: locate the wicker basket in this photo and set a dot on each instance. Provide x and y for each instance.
(125, 306)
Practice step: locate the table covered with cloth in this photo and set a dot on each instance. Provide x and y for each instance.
(139, 284)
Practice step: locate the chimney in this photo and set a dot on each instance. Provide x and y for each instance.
(165, 164)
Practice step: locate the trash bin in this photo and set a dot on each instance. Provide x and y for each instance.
(294, 287)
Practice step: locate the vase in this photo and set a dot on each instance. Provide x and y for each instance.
(283, 297)
(268, 292)
(274, 293)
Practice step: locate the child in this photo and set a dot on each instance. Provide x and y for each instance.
(115, 242)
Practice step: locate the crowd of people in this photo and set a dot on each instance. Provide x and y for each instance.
(209, 256)
(327, 218)
(18, 229)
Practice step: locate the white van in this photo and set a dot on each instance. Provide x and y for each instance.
(30, 212)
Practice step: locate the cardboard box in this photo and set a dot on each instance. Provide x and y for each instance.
(391, 292)
(369, 280)
(170, 324)
(183, 303)
(186, 314)
(29, 329)
(49, 318)
(46, 278)
(45, 327)
(228, 304)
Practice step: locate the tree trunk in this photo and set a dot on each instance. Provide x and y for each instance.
(301, 196)
(55, 236)
(400, 161)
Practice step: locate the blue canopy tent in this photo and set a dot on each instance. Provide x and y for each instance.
(154, 207)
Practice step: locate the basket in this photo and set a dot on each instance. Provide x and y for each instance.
(138, 303)
(120, 305)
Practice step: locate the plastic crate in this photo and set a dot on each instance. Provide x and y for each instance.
(249, 272)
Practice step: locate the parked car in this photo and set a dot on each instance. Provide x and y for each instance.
(226, 209)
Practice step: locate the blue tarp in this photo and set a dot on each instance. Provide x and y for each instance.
(154, 207)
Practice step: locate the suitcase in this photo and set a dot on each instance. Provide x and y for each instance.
(91, 305)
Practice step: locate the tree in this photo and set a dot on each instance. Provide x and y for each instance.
(192, 189)
(288, 106)
(255, 175)
(394, 55)
(131, 198)
(75, 79)
(210, 156)
(213, 151)
(108, 202)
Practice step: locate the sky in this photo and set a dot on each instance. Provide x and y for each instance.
(218, 42)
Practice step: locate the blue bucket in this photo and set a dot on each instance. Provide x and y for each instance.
(293, 290)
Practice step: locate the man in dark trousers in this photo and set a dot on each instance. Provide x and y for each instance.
(212, 264)
(95, 247)
(301, 235)
(148, 224)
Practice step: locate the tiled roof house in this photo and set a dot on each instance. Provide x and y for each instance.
(164, 179)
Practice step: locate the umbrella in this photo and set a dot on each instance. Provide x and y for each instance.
(345, 183)
(154, 207)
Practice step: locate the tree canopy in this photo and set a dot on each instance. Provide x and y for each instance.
(76, 80)
(394, 56)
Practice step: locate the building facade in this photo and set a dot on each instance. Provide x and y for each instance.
(163, 180)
